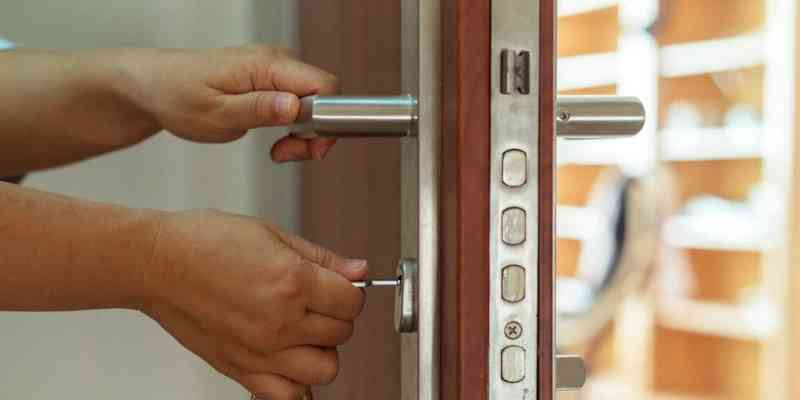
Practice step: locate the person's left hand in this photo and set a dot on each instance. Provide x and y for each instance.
(216, 96)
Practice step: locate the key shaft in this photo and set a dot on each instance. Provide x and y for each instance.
(377, 282)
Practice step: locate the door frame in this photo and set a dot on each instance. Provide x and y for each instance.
(465, 202)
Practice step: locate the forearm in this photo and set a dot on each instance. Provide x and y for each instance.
(58, 253)
(61, 107)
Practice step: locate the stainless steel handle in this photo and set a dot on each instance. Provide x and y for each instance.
(597, 117)
(356, 116)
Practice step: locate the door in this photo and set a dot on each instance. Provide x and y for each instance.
(465, 188)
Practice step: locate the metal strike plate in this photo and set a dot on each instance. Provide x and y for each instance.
(570, 373)
(356, 116)
(598, 117)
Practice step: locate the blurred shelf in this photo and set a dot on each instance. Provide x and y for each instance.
(703, 232)
(586, 71)
(712, 55)
(591, 152)
(578, 223)
(757, 321)
(567, 8)
(616, 386)
(699, 144)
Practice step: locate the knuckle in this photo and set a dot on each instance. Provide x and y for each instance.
(357, 305)
(278, 328)
(263, 107)
(345, 332)
(242, 358)
(328, 368)
(292, 287)
(326, 257)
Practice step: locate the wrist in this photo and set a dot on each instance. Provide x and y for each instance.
(145, 229)
(124, 76)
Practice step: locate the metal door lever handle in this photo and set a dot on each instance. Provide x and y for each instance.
(356, 116)
(598, 117)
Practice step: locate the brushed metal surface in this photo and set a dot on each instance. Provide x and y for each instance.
(598, 117)
(420, 195)
(356, 116)
(513, 226)
(513, 284)
(515, 168)
(514, 234)
(512, 364)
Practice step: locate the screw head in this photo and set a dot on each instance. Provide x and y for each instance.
(513, 330)
(564, 116)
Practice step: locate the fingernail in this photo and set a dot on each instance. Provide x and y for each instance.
(283, 106)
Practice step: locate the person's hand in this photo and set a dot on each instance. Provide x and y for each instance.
(218, 95)
(262, 307)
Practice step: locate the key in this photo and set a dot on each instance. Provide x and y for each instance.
(377, 282)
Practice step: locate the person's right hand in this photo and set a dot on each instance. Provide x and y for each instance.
(265, 308)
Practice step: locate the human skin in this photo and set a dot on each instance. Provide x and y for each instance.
(261, 306)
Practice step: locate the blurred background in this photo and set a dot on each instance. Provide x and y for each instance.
(674, 251)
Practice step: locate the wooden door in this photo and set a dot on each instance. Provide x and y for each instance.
(352, 200)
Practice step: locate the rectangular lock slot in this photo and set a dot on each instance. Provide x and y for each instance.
(506, 66)
(522, 72)
(515, 71)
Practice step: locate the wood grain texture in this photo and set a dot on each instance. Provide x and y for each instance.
(351, 200)
(466, 47)
(547, 93)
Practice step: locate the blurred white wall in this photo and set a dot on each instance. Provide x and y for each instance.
(123, 355)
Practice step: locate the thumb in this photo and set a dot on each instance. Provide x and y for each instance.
(259, 109)
(352, 269)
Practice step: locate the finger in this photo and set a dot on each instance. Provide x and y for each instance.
(291, 75)
(273, 387)
(308, 365)
(320, 147)
(321, 330)
(333, 295)
(291, 148)
(351, 269)
(258, 109)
